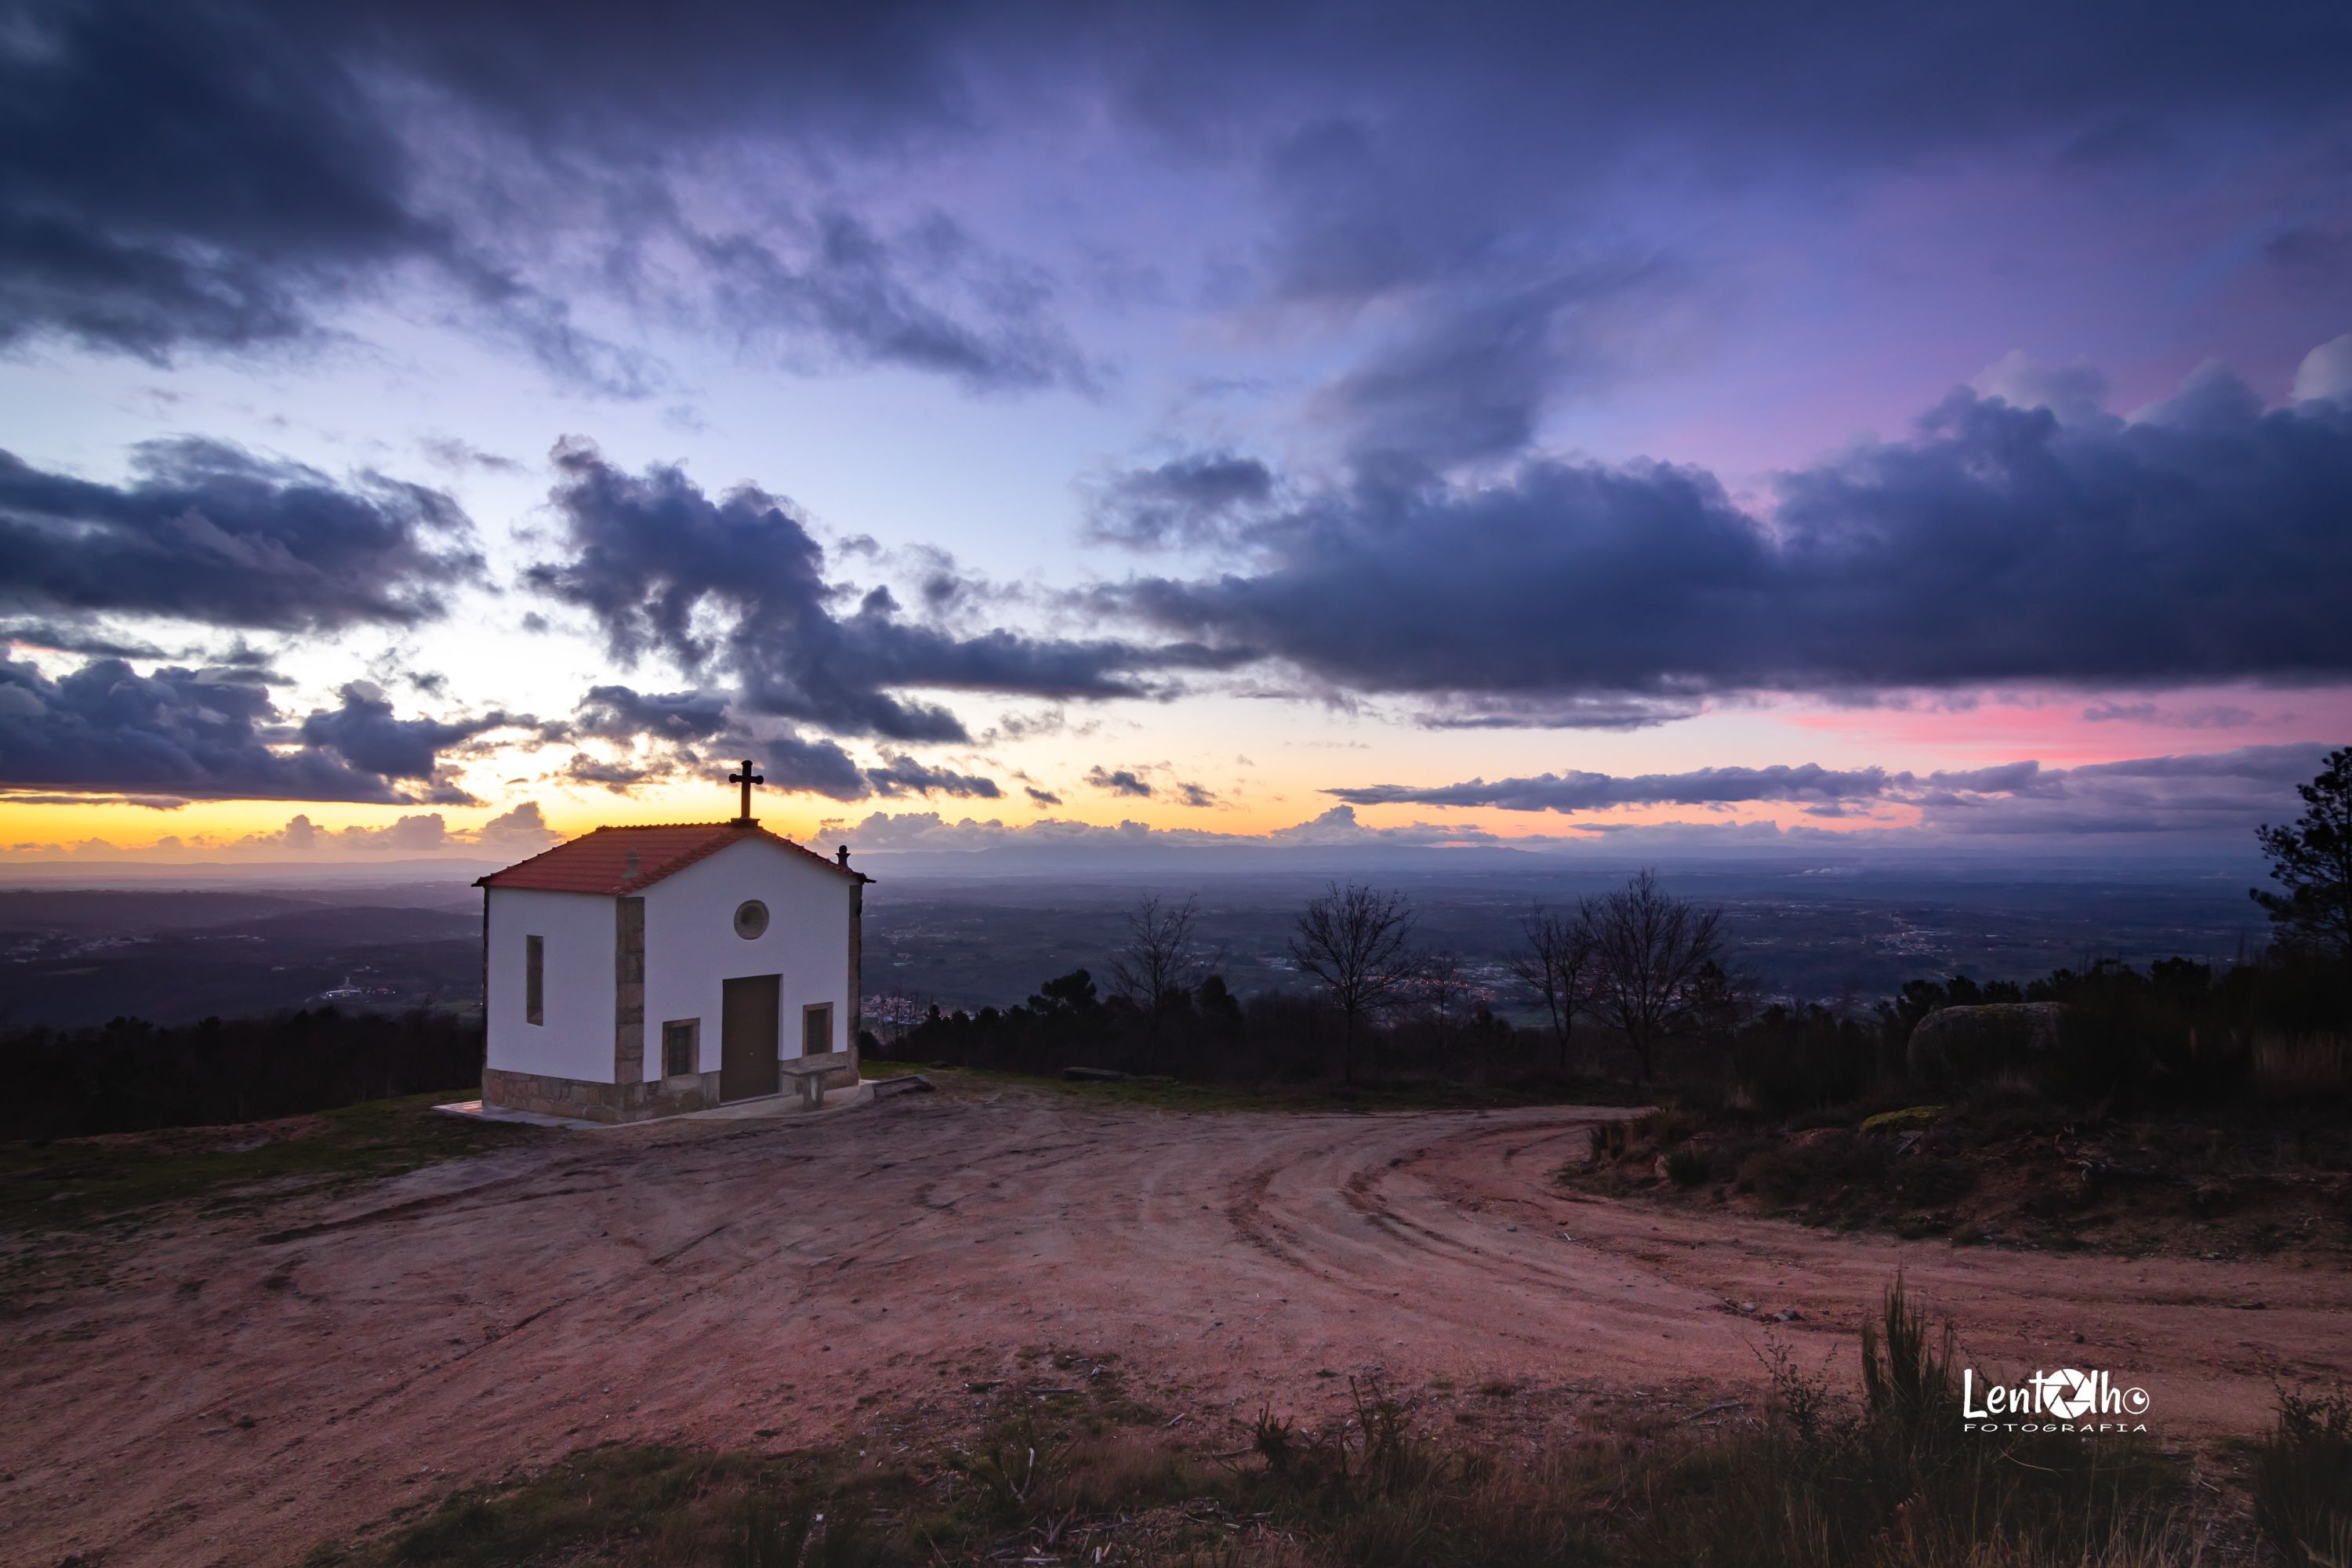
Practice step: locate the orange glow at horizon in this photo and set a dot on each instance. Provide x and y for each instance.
(201, 829)
(1298, 762)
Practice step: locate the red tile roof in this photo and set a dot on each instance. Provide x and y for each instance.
(598, 862)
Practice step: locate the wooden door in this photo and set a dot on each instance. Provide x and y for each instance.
(747, 1036)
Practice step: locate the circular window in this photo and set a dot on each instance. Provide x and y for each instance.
(751, 918)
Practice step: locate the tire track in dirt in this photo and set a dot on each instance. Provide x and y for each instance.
(682, 1284)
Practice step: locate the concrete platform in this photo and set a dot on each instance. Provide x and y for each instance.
(783, 1107)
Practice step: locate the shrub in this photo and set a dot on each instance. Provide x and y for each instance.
(1930, 1180)
(2303, 1477)
(1611, 1140)
(1686, 1167)
(1795, 1171)
(1787, 1061)
(1659, 1128)
(1897, 1482)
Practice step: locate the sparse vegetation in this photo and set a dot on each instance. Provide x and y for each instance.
(2303, 1477)
(1896, 1478)
(1891, 1478)
(70, 1183)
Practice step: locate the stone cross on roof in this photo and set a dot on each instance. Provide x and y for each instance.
(746, 778)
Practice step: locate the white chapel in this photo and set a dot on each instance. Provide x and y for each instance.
(644, 972)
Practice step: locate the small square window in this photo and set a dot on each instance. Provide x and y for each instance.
(678, 1042)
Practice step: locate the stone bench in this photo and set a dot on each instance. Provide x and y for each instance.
(806, 1076)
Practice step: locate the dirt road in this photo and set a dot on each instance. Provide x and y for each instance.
(235, 1394)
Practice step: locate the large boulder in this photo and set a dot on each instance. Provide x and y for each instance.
(1954, 1047)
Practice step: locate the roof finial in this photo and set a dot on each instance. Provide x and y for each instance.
(746, 778)
(841, 857)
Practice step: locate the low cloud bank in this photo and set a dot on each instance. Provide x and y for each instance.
(2207, 793)
(513, 834)
(2200, 805)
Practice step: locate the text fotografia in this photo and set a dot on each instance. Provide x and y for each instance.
(2062, 1401)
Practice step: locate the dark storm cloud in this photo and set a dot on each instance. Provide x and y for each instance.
(176, 173)
(619, 777)
(785, 760)
(791, 761)
(1191, 500)
(218, 176)
(209, 735)
(871, 301)
(1121, 780)
(206, 532)
(1472, 378)
(622, 713)
(904, 776)
(1574, 710)
(2203, 542)
(1435, 171)
(735, 586)
(2222, 794)
(78, 639)
(366, 733)
(686, 729)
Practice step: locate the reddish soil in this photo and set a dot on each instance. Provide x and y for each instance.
(235, 1391)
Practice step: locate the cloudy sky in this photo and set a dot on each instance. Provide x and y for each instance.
(433, 427)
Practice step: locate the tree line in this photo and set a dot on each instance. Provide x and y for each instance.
(1633, 986)
(130, 1076)
(1637, 984)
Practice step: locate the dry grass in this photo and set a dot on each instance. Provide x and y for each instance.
(76, 1183)
(2290, 1066)
(1889, 1480)
(2303, 1479)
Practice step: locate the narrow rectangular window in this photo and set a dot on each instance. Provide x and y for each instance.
(534, 979)
(817, 1030)
(678, 1051)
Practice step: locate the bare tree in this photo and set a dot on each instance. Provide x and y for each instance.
(1554, 960)
(1163, 959)
(1655, 969)
(894, 1012)
(1358, 943)
(1443, 986)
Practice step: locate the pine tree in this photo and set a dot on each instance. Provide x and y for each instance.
(2312, 863)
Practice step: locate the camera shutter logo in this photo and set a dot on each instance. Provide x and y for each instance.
(2068, 1393)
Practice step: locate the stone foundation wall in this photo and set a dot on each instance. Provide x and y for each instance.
(639, 1102)
(599, 1101)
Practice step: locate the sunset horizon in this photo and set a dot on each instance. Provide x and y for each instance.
(1052, 435)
